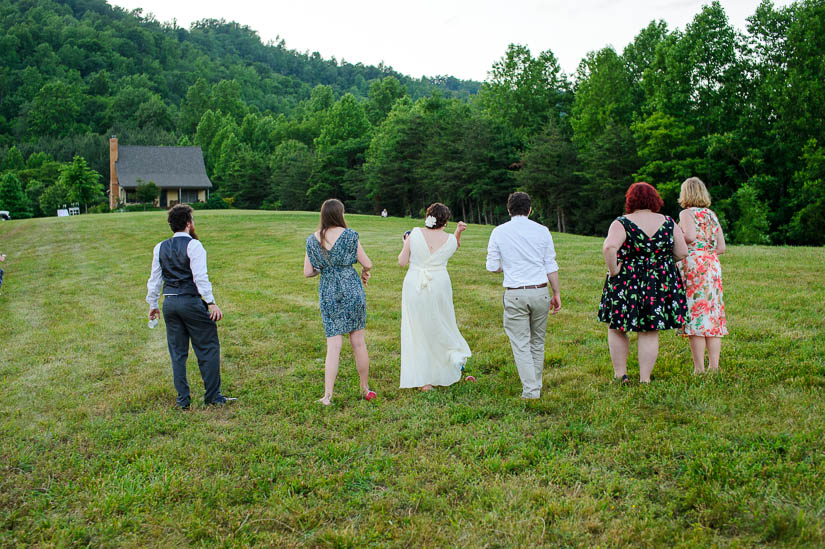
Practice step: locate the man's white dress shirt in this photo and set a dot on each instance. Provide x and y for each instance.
(197, 262)
(524, 250)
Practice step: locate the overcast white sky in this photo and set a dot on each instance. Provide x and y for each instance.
(461, 38)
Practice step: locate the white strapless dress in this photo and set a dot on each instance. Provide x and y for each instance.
(433, 352)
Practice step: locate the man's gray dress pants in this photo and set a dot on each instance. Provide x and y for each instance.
(187, 319)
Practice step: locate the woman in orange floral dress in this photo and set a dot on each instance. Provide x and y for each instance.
(705, 324)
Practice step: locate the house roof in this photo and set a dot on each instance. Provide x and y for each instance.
(168, 167)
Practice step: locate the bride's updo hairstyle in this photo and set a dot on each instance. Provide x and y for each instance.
(440, 212)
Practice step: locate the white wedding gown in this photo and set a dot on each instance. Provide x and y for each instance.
(432, 349)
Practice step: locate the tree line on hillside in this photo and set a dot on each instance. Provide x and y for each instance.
(742, 111)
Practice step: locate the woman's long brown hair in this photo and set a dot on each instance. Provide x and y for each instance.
(332, 215)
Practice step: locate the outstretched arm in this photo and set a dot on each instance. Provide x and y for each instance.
(460, 228)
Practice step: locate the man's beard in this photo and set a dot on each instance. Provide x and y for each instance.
(193, 234)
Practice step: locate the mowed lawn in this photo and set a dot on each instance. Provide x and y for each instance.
(92, 451)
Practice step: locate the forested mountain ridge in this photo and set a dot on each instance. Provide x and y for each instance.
(74, 72)
(102, 48)
(281, 129)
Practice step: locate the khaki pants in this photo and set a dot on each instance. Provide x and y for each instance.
(525, 323)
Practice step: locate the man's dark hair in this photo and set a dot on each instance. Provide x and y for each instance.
(518, 204)
(179, 216)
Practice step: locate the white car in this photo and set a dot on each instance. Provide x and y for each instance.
(4, 215)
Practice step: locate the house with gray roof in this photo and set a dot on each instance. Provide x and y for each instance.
(179, 172)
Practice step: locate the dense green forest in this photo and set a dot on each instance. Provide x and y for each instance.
(742, 110)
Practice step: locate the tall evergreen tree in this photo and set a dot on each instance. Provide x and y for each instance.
(525, 91)
(382, 96)
(193, 106)
(291, 167)
(12, 197)
(13, 161)
(340, 148)
(548, 175)
(54, 198)
(82, 182)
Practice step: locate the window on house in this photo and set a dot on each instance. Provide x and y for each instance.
(189, 195)
(131, 196)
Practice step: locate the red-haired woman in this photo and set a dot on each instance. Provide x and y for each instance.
(643, 292)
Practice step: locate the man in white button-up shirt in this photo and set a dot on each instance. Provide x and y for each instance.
(189, 309)
(523, 250)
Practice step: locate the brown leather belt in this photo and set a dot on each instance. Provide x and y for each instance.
(533, 287)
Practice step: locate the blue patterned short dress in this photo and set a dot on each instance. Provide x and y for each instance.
(340, 292)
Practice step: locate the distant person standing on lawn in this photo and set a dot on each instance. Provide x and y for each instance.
(523, 250)
(189, 309)
(331, 252)
(643, 291)
(2, 258)
(706, 322)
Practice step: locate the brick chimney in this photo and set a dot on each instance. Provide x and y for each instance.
(114, 187)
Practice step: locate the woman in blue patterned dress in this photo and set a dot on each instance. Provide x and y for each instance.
(331, 252)
(643, 292)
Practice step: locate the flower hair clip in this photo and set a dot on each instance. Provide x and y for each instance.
(430, 221)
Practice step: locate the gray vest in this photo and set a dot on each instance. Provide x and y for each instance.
(174, 262)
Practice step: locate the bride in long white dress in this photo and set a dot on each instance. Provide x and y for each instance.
(433, 352)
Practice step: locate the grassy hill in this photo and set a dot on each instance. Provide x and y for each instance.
(92, 452)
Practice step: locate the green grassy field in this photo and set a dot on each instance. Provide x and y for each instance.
(93, 453)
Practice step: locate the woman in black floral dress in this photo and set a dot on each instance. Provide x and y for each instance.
(644, 291)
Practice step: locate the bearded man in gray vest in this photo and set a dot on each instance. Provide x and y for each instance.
(189, 309)
(523, 250)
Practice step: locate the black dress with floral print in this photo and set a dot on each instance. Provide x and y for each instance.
(648, 293)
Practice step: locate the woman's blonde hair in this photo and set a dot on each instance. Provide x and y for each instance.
(694, 194)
